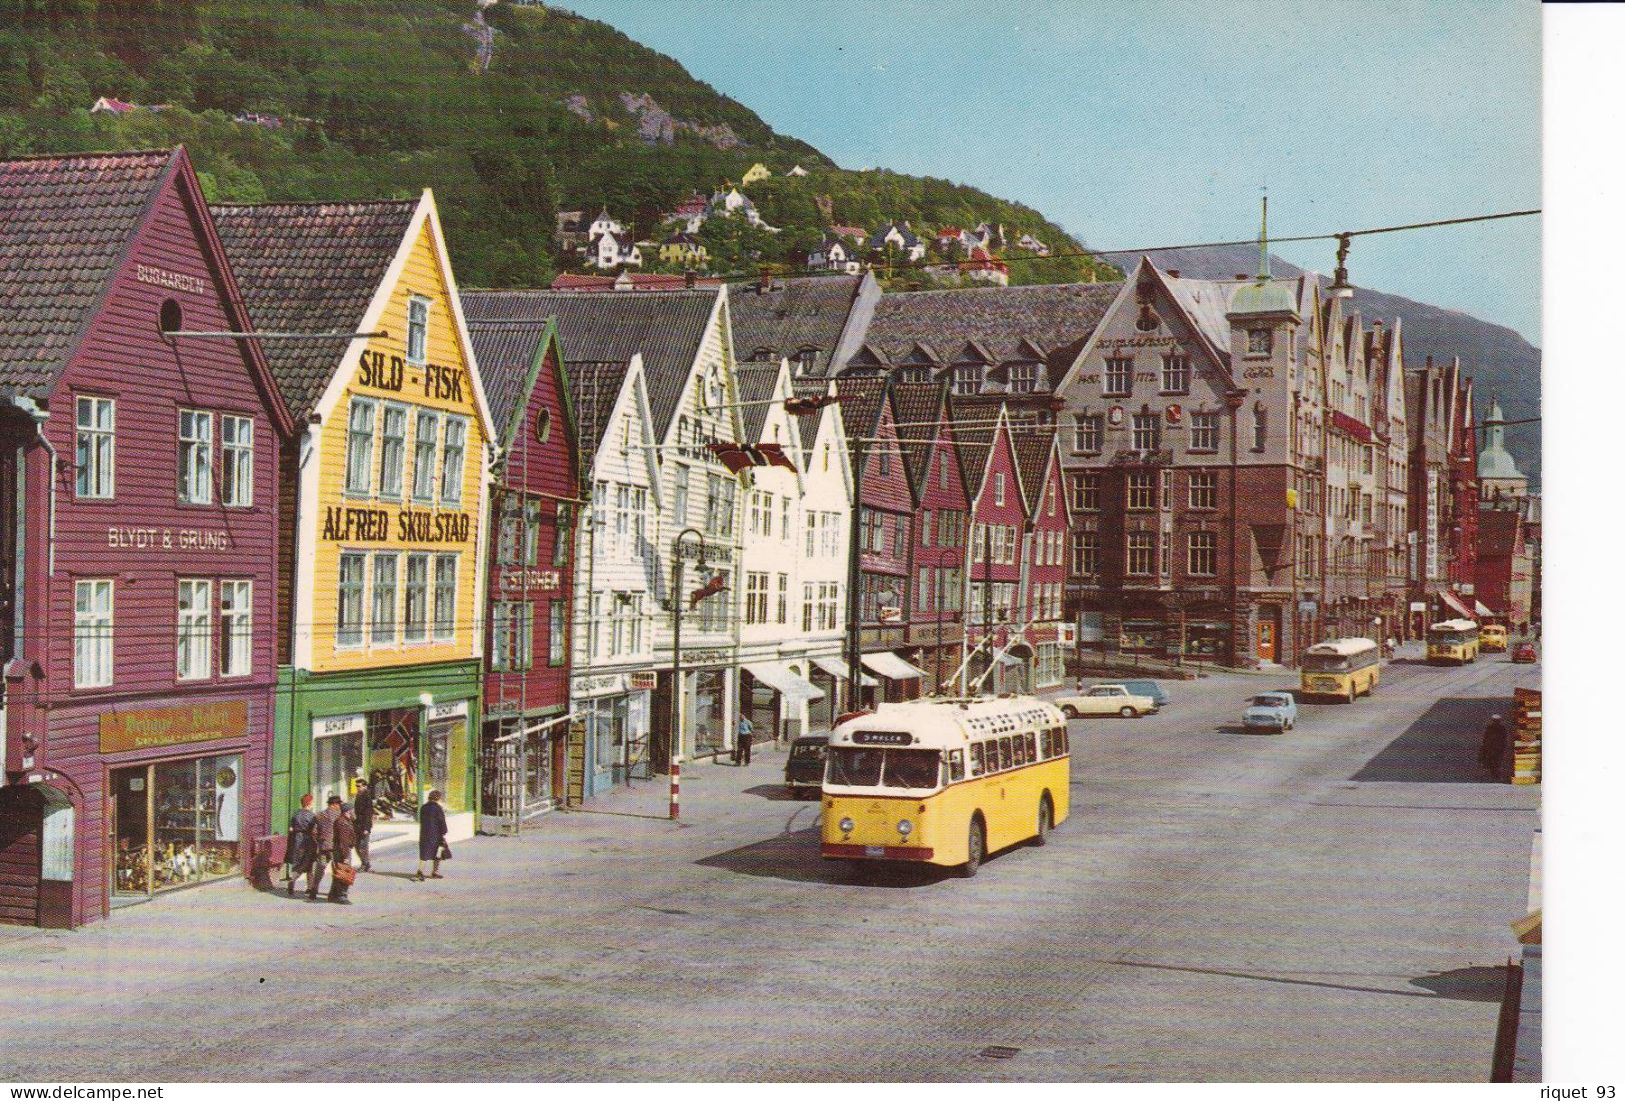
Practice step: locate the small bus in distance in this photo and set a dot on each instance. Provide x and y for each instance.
(945, 781)
(1492, 638)
(1342, 668)
(1454, 641)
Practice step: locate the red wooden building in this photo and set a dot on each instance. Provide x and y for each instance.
(998, 519)
(138, 468)
(533, 500)
(1038, 458)
(941, 529)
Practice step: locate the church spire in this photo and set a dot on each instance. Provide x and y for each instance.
(1264, 242)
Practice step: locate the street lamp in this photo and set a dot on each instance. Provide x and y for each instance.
(675, 739)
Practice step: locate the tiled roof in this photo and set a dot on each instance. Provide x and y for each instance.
(309, 268)
(65, 225)
(628, 280)
(796, 313)
(918, 405)
(1057, 318)
(594, 387)
(505, 353)
(861, 401)
(755, 384)
(810, 388)
(667, 327)
(1032, 457)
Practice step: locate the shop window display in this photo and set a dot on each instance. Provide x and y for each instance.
(176, 823)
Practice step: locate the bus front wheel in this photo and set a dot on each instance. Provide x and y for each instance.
(975, 848)
(1046, 819)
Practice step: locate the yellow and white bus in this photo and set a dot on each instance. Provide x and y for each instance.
(945, 781)
(1342, 667)
(1454, 640)
(1492, 638)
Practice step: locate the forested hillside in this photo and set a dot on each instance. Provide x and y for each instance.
(510, 114)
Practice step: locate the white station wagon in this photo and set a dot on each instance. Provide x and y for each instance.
(1106, 699)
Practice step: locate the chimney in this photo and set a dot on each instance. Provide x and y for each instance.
(1241, 277)
(1173, 273)
(764, 279)
(688, 279)
(1430, 361)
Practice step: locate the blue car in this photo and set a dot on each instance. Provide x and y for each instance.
(1274, 711)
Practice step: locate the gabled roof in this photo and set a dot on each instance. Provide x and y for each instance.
(809, 424)
(862, 399)
(999, 322)
(793, 314)
(666, 327)
(66, 224)
(976, 442)
(1034, 445)
(756, 384)
(918, 407)
(307, 268)
(510, 355)
(595, 386)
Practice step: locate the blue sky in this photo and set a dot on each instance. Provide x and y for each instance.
(1155, 122)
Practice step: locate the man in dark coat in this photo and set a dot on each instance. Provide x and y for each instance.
(432, 836)
(363, 823)
(344, 839)
(301, 844)
(324, 844)
(1493, 747)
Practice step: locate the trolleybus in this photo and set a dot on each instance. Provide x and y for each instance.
(945, 781)
(1492, 638)
(1342, 667)
(1454, 640)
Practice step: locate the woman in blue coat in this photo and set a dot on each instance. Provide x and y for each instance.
(432, 847)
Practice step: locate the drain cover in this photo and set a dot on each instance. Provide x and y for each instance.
(998, 1051)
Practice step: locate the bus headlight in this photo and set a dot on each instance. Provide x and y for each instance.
(905, 827)
(846, 825)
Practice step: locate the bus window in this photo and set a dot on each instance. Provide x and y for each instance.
(956, 765)
(1007, 753)
(911, 768)
(1063, 739)
(1024, 749)
(1045, 746)
(1032, 746)
(976, 766)
(856, 767)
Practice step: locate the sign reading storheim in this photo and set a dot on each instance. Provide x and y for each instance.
(205, 722)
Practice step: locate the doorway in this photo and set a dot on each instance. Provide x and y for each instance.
(1269, 632)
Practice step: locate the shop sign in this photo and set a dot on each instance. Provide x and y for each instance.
(546, 580)
(642, 682)
(713, 552)
(455, 710)
(602, 684)
(186, 539)
(390, 373)
(707, 657)
(371, 525)
(1307, 607)
(1419, 606)
(339, 724)
(122, 731)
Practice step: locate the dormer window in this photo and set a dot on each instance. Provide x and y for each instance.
(1023, 378)
(967, 379)
(1260, 342)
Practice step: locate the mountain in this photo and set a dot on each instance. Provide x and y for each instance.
(1503, 365)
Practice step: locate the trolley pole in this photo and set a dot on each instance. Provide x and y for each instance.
(675, 739)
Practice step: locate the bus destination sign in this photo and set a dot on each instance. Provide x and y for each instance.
(882, 737)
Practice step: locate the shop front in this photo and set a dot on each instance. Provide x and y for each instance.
(175, 824)
(614, 709)
(775, 697)
(1207, 633)
(405, 731)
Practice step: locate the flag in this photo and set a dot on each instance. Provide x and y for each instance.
(800, 407)
(738, 457)
(710, 588)
(401, 746)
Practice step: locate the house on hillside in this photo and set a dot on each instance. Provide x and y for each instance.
(614, 250)
(898, 236)
(797, 171)
(689, 215)
(730, 201)
(835, 254)
(1032, 244)
(983, 268)
(757, 171)
(684, 249)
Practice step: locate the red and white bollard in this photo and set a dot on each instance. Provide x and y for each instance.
(676, 769)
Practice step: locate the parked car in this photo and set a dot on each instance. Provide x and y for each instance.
(1524, 653)
(804, 768)
(1148, 688)
(1106, 699)
(1276, 711)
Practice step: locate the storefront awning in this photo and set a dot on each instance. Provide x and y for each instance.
(836, 667)
(1482, 611)
(889, 665)
(777, 676)
(1456, 603)
(1005, 659)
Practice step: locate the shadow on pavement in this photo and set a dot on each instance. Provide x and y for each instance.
(793, 857)
(779, 794)
(1236, 730)
(1440, 747)
(1466, 984)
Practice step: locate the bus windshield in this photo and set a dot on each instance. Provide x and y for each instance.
(1325, 663)
(892, 768)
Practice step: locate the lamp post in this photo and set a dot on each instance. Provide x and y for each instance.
(673, 752)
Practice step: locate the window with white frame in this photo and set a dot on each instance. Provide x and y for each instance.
(236, 628)
(386, 567)
(679, 499)
(784, 598)
(92, 633)
(392, 452)
(1204, 489)
(1141, 550)
(1142, 488)
(784, 519)
(195, 452)
(1119, 376)
(445, 597)
(1147, 435)
(808, 604)
(451, 470)
(93, 448)
(755, 598)
(193, 634)
(425, 441)
(417, 329)
(1176, 373)
(1085, 553)
(417, 597)
(349, 620)
(358, 446)
(236, 460)
(512, 624)
(967, 380)
(998, 488)
(556, 629)
(1023, 378)
(1205, 431)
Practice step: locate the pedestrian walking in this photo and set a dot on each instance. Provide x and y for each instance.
(363, 823)
(301, 842)
(747, 734)
(1492, 747)
(432, 845)
(344, 840)
(324, 845)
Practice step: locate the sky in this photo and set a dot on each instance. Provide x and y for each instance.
(1142, 123)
